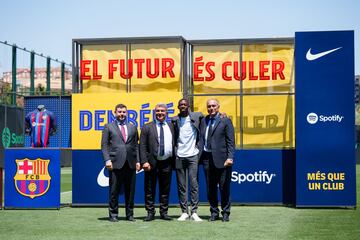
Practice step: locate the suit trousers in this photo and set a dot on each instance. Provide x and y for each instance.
(217, 177)
(123, 178)
(161, 172)
(189, 168)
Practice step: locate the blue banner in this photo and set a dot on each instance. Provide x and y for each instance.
(32, 178)
(325, 153)
(263, 177)
(88, 170)
(258, 176)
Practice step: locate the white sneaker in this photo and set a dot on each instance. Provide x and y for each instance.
(196, 217)
(183, 217)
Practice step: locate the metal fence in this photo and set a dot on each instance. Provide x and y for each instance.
(25, 72)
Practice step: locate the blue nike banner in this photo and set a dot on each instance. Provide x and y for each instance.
(258, 176)
(90, 184)
(325, 153)
(32, 178)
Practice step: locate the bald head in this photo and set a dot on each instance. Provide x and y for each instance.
(212, 106)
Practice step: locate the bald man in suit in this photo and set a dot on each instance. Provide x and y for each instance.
(217, 143)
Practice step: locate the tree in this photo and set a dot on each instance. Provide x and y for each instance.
(40, 89)
(5, 90)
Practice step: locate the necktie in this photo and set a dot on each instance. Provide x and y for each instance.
(208, 140)
(123, 133)
(162, 146)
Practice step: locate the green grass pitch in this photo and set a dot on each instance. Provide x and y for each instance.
(247, 222)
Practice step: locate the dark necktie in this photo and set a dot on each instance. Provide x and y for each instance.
(162, 146)
(208, 140)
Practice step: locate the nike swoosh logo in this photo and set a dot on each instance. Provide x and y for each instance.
(311, 57)
(103, 180)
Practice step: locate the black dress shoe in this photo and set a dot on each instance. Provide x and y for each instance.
(113, 219)
(225, 218)
(130, 218)
(166, 217)
(149, 217)
(213, 217)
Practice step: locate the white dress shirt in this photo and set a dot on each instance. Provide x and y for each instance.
(168, 146)
(207, 131)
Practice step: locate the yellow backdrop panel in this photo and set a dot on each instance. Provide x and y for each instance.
(268, 68)
(264, 68)
(90, 113)
(148, 67)
(158, 67)
(98, 57)
(228, 104)
(208, 65)
(268, 121)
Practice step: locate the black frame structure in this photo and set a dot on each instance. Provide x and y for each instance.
(77, 50)
(240, 42)
(187, 46)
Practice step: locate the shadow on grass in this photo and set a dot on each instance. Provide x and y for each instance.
(107, 218)
(141, 218)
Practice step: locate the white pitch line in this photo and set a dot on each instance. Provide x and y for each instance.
(66, 192)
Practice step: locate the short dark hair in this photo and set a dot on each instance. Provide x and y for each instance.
(120, 105)
(184, 99)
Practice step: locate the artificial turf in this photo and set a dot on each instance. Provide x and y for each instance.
(247, 222)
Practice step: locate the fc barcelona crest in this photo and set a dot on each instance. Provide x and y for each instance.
(32, 177)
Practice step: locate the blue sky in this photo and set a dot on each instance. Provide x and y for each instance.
(49, 26)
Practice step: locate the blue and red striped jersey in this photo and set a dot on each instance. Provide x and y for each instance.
(40, 125)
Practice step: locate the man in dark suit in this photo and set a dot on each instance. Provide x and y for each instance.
(218, 143)
(187, 134)
(120, 148)
(157, 156)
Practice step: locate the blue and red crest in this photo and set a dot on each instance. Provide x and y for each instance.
(32, 177)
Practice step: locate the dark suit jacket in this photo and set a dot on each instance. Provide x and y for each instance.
(195, 120)
(222, 140)
(149, 143)
(114, 147)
